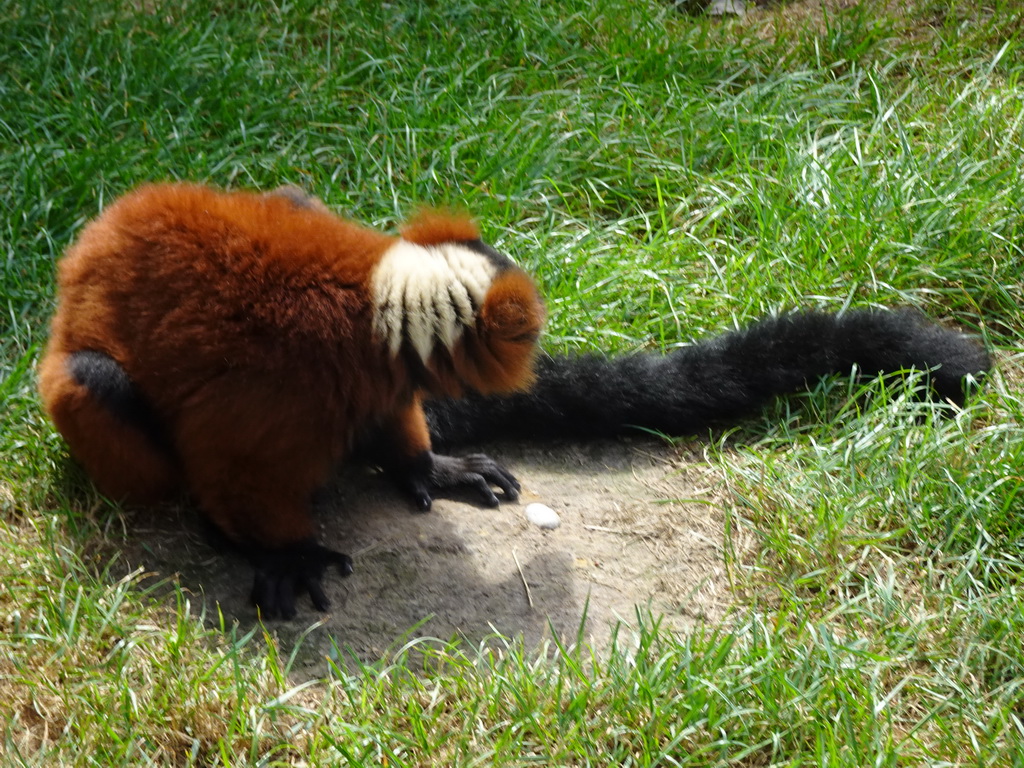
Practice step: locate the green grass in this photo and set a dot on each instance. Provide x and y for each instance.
(664, 177)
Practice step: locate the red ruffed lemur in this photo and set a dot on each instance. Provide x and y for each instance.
(238, 346)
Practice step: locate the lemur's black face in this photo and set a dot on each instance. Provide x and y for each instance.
(498, 260)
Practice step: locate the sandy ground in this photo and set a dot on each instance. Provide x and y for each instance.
(640, 526)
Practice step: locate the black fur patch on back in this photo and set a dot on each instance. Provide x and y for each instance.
(500, 261)
(296, 196)
(110, 384)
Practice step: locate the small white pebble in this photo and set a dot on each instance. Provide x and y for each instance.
(542, 516)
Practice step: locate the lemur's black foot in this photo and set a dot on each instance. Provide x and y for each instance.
(431, 472)
(284, 572)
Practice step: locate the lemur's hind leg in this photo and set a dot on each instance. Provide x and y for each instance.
(254, 449)
(109, 426)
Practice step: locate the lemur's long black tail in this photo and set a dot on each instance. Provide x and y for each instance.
(714, 382)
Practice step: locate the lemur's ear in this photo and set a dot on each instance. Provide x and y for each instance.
(432, 227)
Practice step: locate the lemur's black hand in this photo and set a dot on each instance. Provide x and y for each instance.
(284, 572)
(431, 472)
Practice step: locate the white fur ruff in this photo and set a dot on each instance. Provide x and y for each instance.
(426, 294)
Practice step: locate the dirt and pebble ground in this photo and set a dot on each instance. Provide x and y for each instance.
(640, 526)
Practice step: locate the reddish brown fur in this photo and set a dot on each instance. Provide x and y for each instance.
(128, 466)
(245, 320)
(434, 227)
(499, 357)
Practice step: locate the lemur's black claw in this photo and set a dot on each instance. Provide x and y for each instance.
(433, 472)
(422, 498)
(283, 572)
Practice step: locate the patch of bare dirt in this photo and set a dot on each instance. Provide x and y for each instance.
(640, 526)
